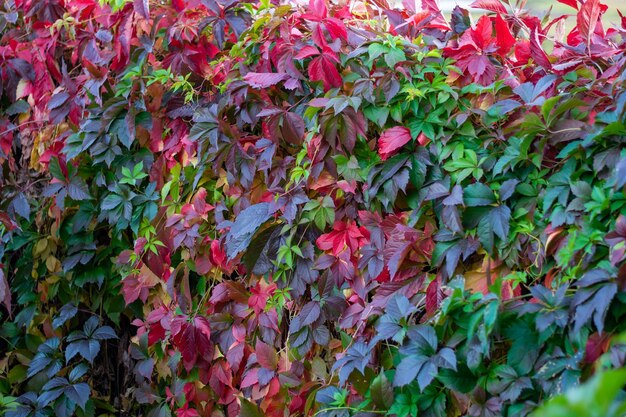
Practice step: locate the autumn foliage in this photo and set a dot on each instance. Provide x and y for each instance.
(241, 208)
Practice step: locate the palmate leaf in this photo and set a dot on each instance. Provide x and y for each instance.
(356, 357)
(389, 326)
(87, 342)
(530, 92)
(67, 312)
(422, 340)
(192, 338)
(322, 68)
(293, 97)
(77, 393)
(385, 181)
(29, 405)
(415, 367)
(421, 360)
(494, 222)
(595, 293)
(88, 349)
(450, 249)
(46, 359)
(507, 383)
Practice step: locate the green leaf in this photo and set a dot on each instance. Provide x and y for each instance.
(381, 392)
(249, 409)
(478, 194)
(376, 49)
(485, 234)
(598, 397)
(461, 380)
(377, 115)
(393, 56)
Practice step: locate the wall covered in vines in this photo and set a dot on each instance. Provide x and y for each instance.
(232, 208)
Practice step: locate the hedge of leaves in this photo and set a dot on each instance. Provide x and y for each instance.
(223, 208)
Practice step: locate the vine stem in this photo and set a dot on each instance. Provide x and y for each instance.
(19, 126)
(350, 409)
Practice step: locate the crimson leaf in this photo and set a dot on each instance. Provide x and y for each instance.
(491, 5)
(264, 79)
(322, 68)
(393, 139)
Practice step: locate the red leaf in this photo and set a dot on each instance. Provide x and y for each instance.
(393, 139)
(186, 412)
(483, 34)
(536, 51)
(323, 69)
(492, 5)
(264, 79)
(336, 29)
(622, 19)
(344, 235)
(522, 51)
(203, 264)
(218, 256)
(6, 221)
(261, 292)
(431, 5)
(398, 246)
(587, 18)
(572, 3)
(306, 52)
(596, 345)
(318, 8)
(156, 333)
(504, 39)
(179, 5)
(292, 128)
(419, 17)
(434, 296)
(250, 378)
(138, 285)
(422, 139)
(266, 355)
(191, 338)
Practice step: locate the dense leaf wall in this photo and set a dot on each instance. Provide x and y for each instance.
(221, 208)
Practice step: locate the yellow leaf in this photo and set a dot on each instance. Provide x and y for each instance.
(40, 248)
(53, 264)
